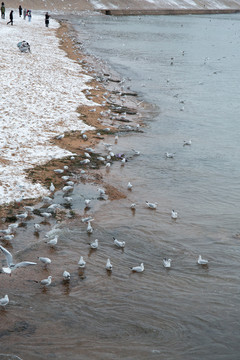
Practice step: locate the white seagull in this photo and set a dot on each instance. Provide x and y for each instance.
(167, 263)
(52, 187)
(45, 260)
(4, 301)
(53, 242)
(174, 214)
(37, 227)
(169, 155)
(10, 265)
(202, 261)
(108, 265)
(94, 244)
(8, 237)
(46, 282)
(89, 227)
(81, 263)
(120, 244)
(22, 216)
(151, 205)
(139, 268)
(87, 202)
(129, 186)
(66, 275)
(188, 142)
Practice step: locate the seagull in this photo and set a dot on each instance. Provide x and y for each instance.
(81, 263)
(89, 218)
(188, 142)
(60, 137)
(58, 171)
(45, 260)
(123, 161)
(84, 162)
(129, 186)
(120, 244)
(139, 268)
(116, 139)
(46, 215)
(202, 261)
(87, 155)
(133, 206)
(84, 136)
(65, 167)
(136, 152)
(169, 155)
(68, 188)
(8, 237)
(87, 202)
(101, 193)
(89, 227)
(37, 227)
(10, 264)
(94, 244)
(174, 214)
(53, 242)
(66, 275)
(68, 199)
(151, 205)
(22, 216)
(29, 209)
(108, 265)
(46, 282)
(4, 301)
(47, 199)
(52, 187)
(167, 263)
(7, 231)
(108, 165)
(65, 177)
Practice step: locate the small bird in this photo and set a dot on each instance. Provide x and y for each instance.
(136, 152)
(84, 136)
(45, 260)
(139, 268)
(67, 188)
(65, 167)
(37, 227)
(52, 187)
(68, 199)
(81, 263)
(4, 301)
(29, 209)
(169, 155)
(108, 265)
(46, 282)
(94, 244)
(116, 139)
(167, 263)
(174, 214)
(60, 137)
(47, 200)
(133, 206)
(202, 261)
(84, 162)
(10, 265)
(87, 155)
(101, 193)
(7, 231)
(65, 177)
(151, 205)
(53, 242)
(129, 186)
(22, 216)
(108, 165)
(120, 244)
(66, 275)
(123, 161)
(46, 215)
(87, 202)
(89, 227)
(8, 237)
(58, 171)
(188, 142)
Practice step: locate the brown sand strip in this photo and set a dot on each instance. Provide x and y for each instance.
(130, 12)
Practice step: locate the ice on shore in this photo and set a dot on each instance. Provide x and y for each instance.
(40, 92)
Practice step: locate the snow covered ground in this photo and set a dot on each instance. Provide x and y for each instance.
(40, 92)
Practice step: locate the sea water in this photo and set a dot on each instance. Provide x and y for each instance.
(187, 67)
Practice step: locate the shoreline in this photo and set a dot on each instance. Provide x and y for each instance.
(105, 92)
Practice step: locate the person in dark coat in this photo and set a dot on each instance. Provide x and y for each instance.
(3, 10)
(11, 18)
(20, 10)
(47, 16)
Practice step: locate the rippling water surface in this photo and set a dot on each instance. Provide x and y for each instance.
(188, 68)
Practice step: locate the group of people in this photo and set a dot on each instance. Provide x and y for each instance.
(25, 12)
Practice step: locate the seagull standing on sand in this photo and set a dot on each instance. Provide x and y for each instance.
(4, 301)
(202, 261)
(139, 268)
(167, 263)
(151, 205)
(108, 265)
(120, 244)
(81, 263)
(10, 264)
(174, 214)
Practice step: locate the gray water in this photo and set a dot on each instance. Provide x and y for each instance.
(187, 312)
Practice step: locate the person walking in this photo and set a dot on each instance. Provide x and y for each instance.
(29, 14)
(24, 14)
(3, 11)
(10, 18)
(20, 10)
(47, 16)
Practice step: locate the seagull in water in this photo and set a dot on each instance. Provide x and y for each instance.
(188, 142)
(202, 261)
(169, 155)
(139, 268)
(94, 244)
(53, 242)
(174, 214)
(89, 227)
(46, 282)
(167, 263)
(45, 260)
(120, 244)
(4, 301)
(108, 265)
(10, 264)
(151, 205)
(66, 275)
(129, 186)
(81, 263)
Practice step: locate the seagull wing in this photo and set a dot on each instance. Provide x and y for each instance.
(23, 264)
(8, 256)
